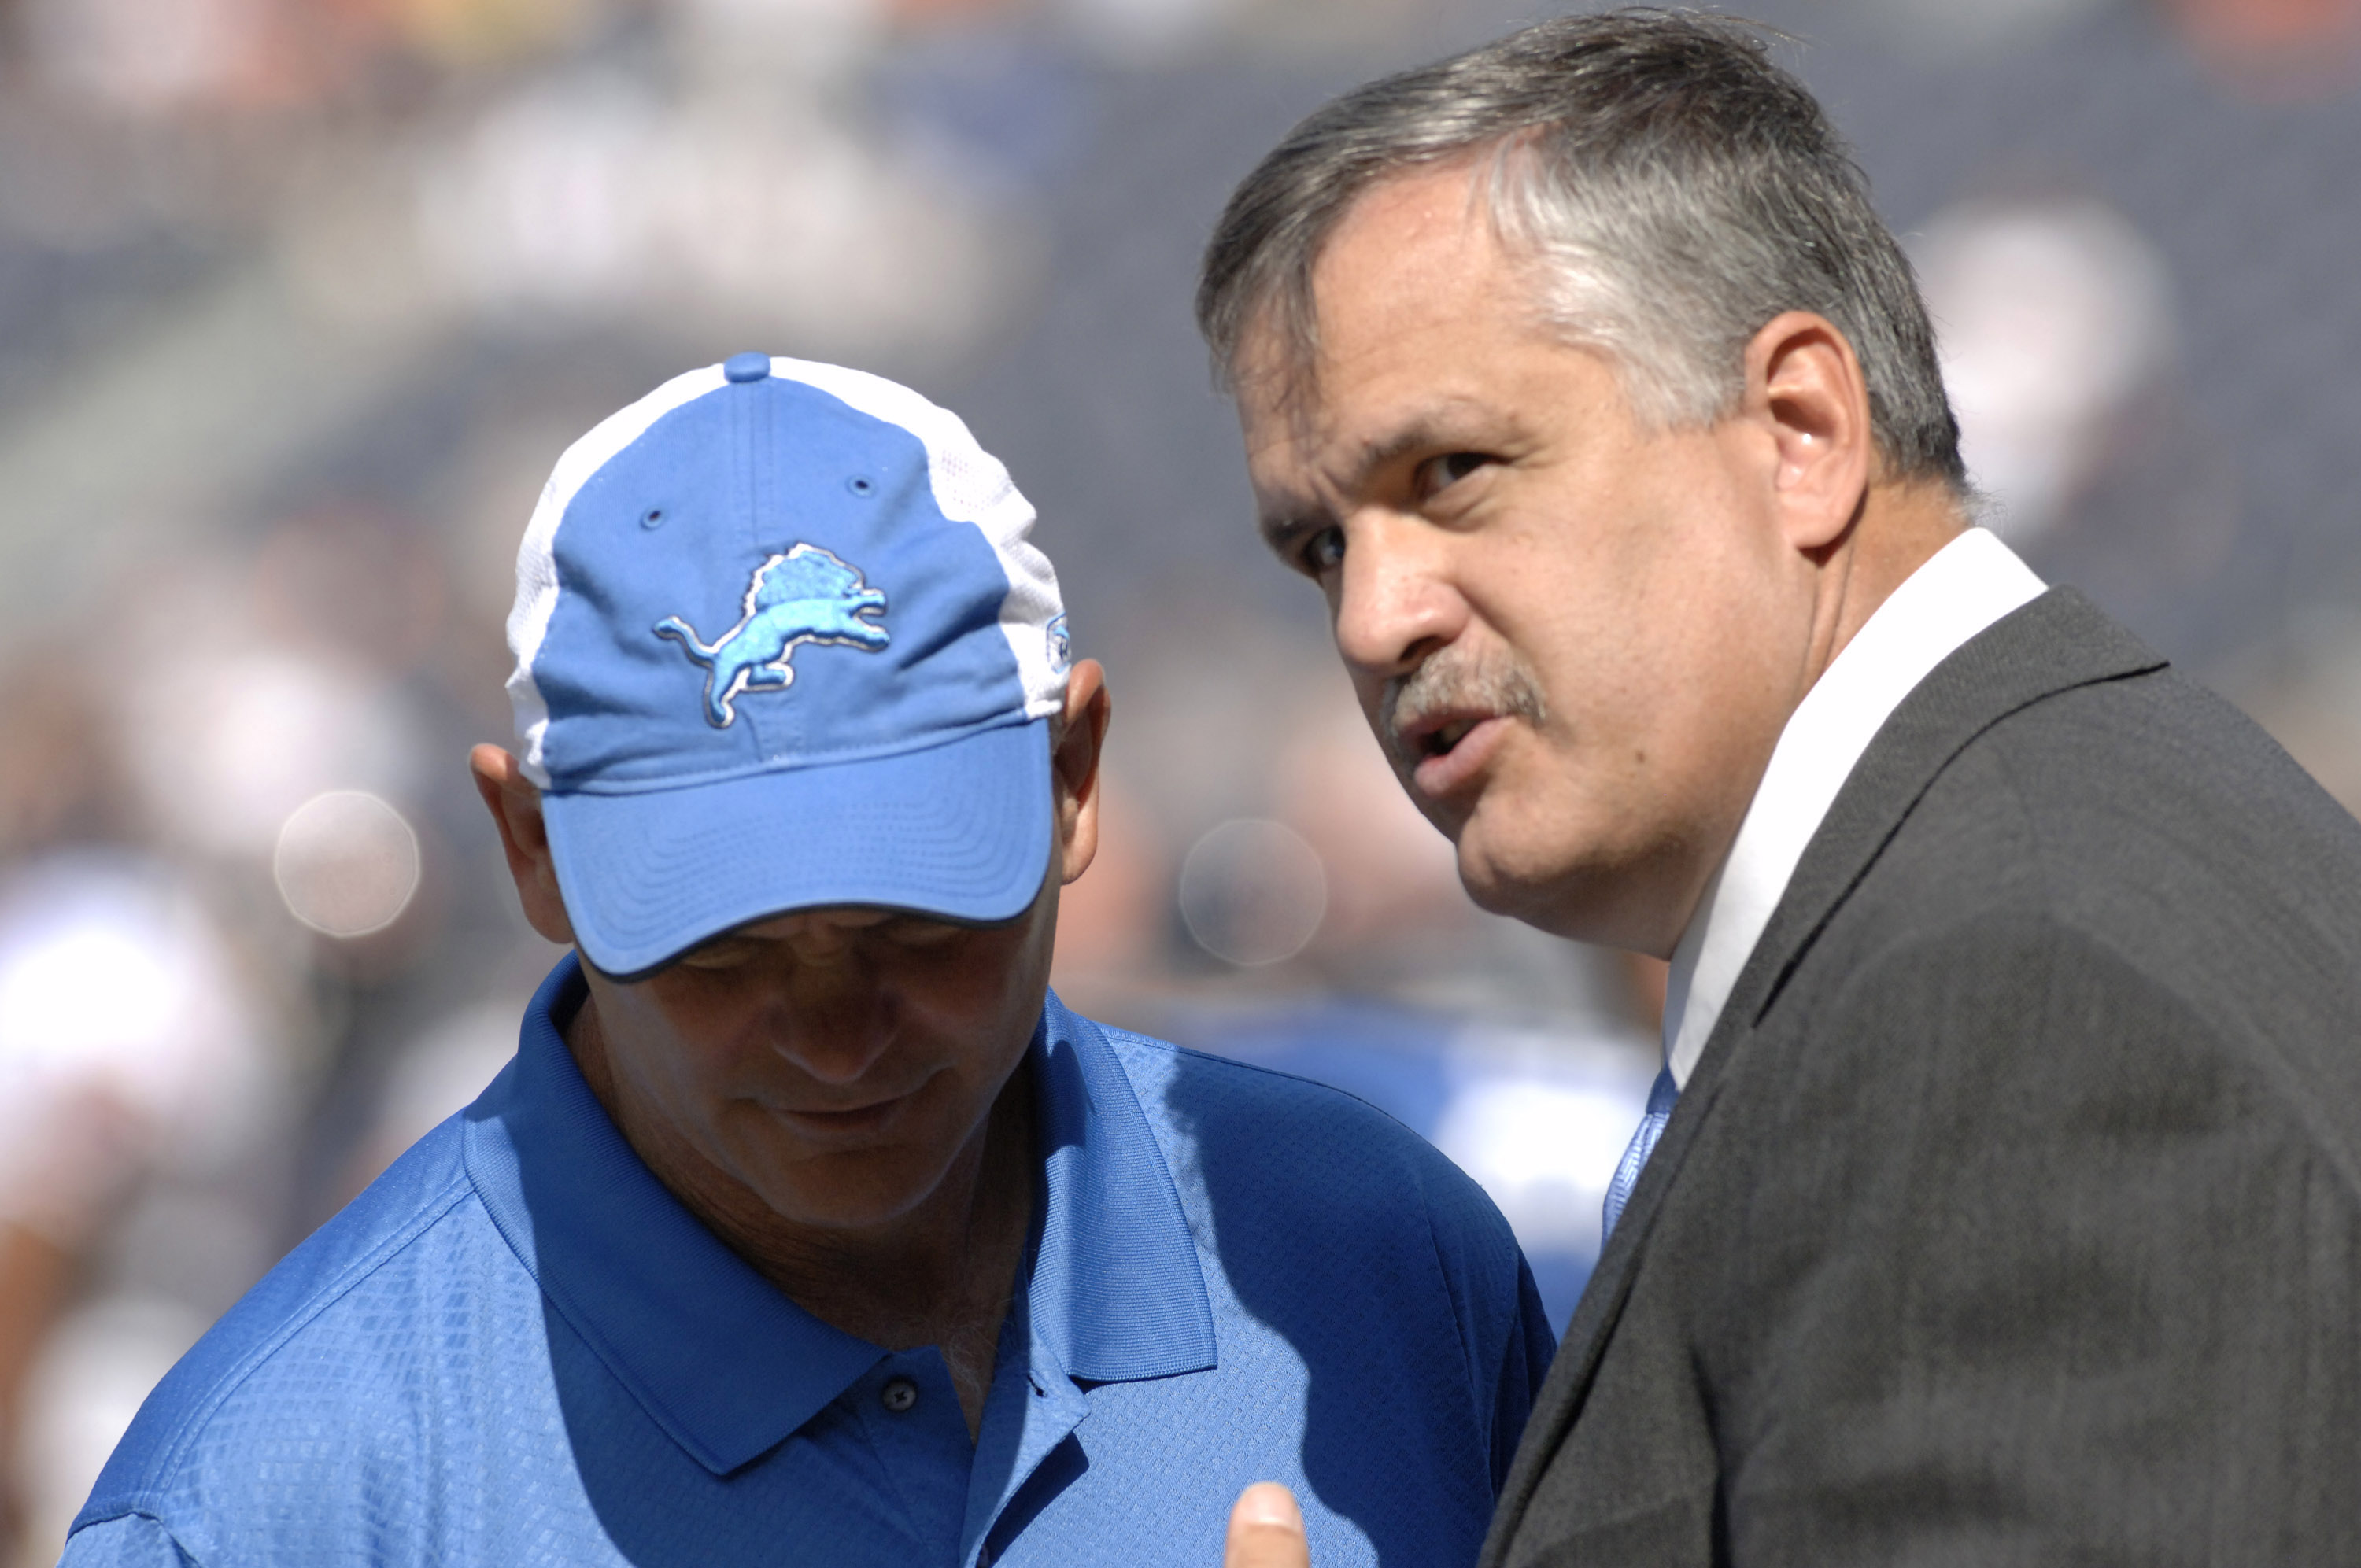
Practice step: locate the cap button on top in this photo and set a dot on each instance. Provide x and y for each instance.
(746, 366)
(898, 1395)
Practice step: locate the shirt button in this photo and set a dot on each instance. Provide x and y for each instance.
(898, 1395)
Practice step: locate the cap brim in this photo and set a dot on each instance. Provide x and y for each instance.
(958, 831)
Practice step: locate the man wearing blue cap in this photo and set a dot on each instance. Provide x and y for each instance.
(806, 1226)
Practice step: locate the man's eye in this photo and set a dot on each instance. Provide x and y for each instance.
(1439, 473)
(1324, 551)
(919, 934)
(722, 953)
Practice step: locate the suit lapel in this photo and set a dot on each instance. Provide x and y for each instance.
(2053, 644)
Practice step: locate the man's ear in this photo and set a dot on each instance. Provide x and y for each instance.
(514, 802)
(1075, 766)
(1805, 388)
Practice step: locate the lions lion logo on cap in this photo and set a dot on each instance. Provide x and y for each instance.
(803, 595)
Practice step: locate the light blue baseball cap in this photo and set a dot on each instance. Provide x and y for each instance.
(783, 640)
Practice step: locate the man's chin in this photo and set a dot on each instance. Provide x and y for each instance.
(853, 1190)
(1572, 896)
(1509, 886)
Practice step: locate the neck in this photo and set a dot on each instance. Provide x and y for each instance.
(1897, 530)
(1900, 529)
(927, 1276)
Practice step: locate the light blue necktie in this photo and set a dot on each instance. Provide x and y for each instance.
(1635, 1158)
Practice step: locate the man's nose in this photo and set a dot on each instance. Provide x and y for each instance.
(837, 1040)
(836, 1032)
(1394, 602)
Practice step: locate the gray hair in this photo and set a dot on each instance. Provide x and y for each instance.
(1673, 189)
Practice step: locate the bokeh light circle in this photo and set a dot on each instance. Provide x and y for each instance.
(1253, 893)
(347, 863)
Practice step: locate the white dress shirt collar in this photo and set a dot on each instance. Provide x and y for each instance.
(1964, 588)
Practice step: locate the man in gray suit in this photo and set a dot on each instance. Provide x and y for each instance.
(2004, 1200)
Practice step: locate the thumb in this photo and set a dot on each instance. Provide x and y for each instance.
(1266, 1531)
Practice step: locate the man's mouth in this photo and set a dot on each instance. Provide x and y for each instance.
(850, 1119)
(1443, 721)
(847, 1113)
(1435, 735)
(1443, 754)
(1439, 742)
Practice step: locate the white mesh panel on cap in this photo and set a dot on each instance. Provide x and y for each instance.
(536, 598)
(971, 486)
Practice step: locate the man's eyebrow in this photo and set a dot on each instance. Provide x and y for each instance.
(1282, 530)
(1448, 425)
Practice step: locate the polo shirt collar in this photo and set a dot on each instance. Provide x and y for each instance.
(718, 1356)
(1117, 1292)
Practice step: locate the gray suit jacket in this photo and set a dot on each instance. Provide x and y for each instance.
(2013, 1213)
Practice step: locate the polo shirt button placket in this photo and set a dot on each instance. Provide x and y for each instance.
(898, 1395)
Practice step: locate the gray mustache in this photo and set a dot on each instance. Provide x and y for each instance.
(1447, 682)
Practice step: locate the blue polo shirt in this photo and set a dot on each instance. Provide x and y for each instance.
(517, 1347)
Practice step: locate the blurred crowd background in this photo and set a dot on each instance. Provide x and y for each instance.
(300, 298)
